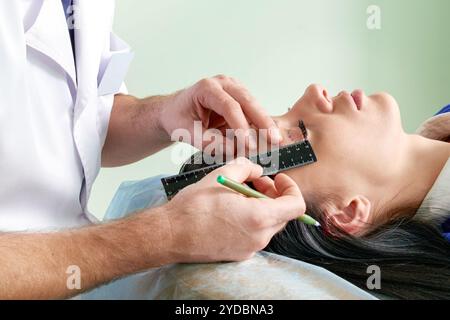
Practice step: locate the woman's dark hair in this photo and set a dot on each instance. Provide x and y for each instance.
(413, 256)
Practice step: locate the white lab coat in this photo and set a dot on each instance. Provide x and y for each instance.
(34, 44)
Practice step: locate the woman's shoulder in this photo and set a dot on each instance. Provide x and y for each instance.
(438, 126)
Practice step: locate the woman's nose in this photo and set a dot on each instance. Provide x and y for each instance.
(320, 98)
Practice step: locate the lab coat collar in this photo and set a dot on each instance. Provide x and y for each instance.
(93, 23)
(49, 35)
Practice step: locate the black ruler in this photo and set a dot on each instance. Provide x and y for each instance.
(292, 156)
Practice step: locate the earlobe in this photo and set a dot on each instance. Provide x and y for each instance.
(354, 216)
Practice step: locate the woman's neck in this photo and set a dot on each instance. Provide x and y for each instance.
(423, 163)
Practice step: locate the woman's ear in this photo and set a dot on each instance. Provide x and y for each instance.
(353, 217)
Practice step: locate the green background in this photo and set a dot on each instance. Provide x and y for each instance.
(277, 48)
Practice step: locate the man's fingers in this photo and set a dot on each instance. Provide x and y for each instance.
(286, 186)
(253, 110)
(215, 144)
(266, 186)
(231, 100)
(240, 170)
(290, 204)
(287, 202)
(225, 105)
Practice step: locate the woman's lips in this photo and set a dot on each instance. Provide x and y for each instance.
(350, 99)
(358, 96)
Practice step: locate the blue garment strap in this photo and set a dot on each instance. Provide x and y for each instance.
(446, 228)
(446, 224)
(68, 13)
(447, 236)
(444, 110)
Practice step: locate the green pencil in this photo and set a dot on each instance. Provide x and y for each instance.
(249, 192)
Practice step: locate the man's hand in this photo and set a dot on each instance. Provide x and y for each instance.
(218, 103)
(141, 127)
(206, 222)
(211, 223)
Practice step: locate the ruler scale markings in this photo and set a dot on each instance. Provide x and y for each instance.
(173, 184)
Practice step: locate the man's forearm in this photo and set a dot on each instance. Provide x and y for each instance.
(134, 130)
(34, 266)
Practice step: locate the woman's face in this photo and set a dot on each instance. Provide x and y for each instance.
(358, 141)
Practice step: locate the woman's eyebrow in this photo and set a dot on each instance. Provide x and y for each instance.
(302, 127)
